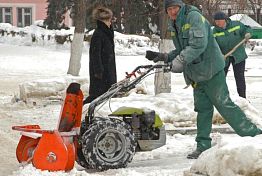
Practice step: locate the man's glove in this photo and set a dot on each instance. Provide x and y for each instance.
(178, 64)
(247, 36)
(156, 56)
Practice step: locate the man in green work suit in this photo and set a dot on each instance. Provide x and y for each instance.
(228, 34)
(198, 56)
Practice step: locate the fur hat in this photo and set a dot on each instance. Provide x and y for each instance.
(169, 3)
(102, 13)
(220, 16)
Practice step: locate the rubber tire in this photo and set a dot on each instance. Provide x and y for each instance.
(90, 138)
(81, 159)
(80, 156)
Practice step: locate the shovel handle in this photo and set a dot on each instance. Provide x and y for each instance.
(247, 36)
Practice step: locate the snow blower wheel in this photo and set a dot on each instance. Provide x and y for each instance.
(80, 156)
(111, 142)
(108, 144)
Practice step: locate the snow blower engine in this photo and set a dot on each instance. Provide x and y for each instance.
(97, 142)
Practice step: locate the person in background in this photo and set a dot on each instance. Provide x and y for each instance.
(228, 34)
(198, 56)
(102, 65)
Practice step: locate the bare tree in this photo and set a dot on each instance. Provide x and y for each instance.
(79, 18)
(255, 5)
(208, 7)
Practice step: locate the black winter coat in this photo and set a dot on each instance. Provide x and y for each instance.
(102, 60)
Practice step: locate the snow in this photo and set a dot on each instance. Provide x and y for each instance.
(125, 45)
(245, 19)
(47, 87)
(41, 71)
(164, 154)
(243, 156)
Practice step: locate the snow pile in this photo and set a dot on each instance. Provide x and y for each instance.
(47, 87)
(31, 35)
(7, 27)
(242, 156)
(169, 106)
(176, 107)
(37, 36)
(134, 44)
(251, 112)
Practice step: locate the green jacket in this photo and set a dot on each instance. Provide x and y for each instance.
(229, 37)
(193, 39)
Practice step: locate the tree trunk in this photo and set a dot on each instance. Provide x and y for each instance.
(253, 5)
(117, 6)
(127, 19)
(77, 43)
(163, 80)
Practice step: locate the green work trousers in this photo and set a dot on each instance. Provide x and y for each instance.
(214, 92)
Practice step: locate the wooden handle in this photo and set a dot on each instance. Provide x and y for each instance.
(234, 49)
(239, 44)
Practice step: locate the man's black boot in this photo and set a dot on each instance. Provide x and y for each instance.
(194, 155)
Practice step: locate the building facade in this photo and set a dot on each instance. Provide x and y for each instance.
(23, 13)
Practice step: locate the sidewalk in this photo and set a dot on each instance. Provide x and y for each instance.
(224, 129)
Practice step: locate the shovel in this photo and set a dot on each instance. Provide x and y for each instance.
(247, 37)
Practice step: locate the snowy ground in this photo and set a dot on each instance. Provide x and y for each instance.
(19, 64)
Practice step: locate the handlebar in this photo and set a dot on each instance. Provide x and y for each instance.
(124, 86)
(166, 67)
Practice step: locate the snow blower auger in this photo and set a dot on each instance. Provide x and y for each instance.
(54, 150)
(110, 142)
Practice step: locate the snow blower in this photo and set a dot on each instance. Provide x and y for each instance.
(97, 142)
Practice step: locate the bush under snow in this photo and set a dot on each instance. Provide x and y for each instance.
(125, 45)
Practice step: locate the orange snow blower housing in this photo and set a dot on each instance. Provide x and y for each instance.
(54, 150)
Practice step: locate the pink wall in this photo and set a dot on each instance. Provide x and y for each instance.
(39, 8)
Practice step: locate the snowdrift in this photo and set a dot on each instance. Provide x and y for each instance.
(241, 156)
(175, 108)
(48, 87)
(61, 39)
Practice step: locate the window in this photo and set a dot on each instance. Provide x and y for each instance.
(6, 15)
(24, 17)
